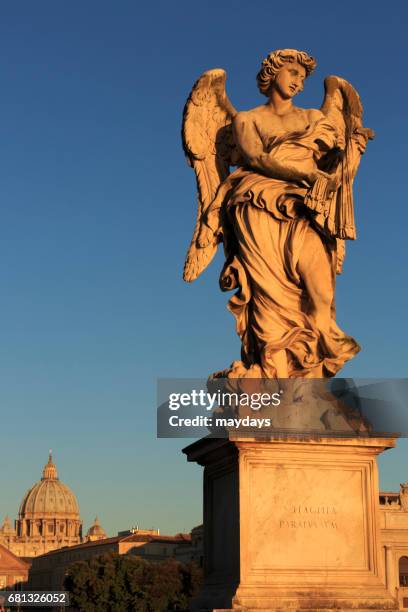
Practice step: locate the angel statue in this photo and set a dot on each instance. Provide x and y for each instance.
(283, 214)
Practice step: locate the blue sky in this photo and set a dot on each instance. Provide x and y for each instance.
(97, 210)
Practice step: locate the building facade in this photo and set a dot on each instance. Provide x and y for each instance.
(13, 571)
(394, 536)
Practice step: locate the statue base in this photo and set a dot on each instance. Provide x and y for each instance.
(292, 523)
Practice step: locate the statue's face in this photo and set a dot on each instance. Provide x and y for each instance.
(289, 80)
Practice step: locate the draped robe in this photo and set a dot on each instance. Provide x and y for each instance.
(265, 227)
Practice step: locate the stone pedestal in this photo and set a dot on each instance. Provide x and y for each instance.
(292, 524)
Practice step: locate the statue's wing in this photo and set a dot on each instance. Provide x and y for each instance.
(342, 106)
(210, 150)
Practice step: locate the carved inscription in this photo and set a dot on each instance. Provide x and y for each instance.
(304, 516)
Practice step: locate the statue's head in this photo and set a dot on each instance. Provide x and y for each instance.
(287, 65)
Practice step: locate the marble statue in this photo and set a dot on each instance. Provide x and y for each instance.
(283, 214)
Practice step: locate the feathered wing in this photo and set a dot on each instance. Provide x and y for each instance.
(210, 150)
(335, 210)
(342, 106)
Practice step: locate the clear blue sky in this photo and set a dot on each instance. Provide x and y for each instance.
(97, 209)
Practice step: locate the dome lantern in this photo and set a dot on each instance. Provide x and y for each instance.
(50, 470)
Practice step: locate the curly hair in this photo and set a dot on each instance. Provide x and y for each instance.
(274, 62)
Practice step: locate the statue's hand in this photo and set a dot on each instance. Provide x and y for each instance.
(333, 181)
(312, 177)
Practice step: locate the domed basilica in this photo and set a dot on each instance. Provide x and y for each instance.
(48, 518)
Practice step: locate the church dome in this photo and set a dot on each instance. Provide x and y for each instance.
(49, 497)
(6, 528)
(96, 531)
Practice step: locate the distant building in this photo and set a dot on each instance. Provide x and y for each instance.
(394, 537)
(48, 518)
(13, 571)
(48, 571)
(154, 532)
(48, 533)
(194, 549)
(95, 532)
